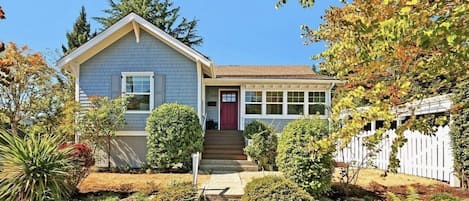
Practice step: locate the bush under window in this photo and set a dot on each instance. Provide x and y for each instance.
(174, 133)
(262, 145)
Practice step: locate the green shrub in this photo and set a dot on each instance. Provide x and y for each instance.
(177, 191)
(82, 159)
(263, 146)
(443, 197)
(274, 188)
(174, 133)
(412, 195)
(33, 168)
(313, 172)
(254, 127)
(460, 131)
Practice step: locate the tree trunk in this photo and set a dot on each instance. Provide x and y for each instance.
(109, 152)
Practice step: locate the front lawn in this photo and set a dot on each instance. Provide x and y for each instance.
(116, 182)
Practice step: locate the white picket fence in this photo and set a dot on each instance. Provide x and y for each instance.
(422, 155)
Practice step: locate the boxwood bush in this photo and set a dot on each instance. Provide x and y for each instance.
(274, 188)
(313, 172)
(174, 133)
(262, 146)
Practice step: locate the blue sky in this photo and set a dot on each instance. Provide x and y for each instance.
(234, 32)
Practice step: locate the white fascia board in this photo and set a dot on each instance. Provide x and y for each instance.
(152, 29)
(233, 81)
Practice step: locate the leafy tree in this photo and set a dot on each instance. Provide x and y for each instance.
(2, 16)
(160, 13)
(390, 52)
(25, 80)
(312, 172)
(100, 122)
(81, 33)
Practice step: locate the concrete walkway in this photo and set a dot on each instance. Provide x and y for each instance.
(231, 183)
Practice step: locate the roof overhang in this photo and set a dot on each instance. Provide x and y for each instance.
(131, 22)
(233, 82)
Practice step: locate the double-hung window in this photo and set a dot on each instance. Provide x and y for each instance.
(253, 102)
(317, 103)
(138, 87)
(295, 100)
(274, 102)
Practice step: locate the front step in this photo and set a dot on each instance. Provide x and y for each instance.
(224, 156)
(227, 165)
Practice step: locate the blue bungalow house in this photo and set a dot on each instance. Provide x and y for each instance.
(134, 57)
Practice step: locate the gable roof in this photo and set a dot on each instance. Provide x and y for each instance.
(268, 72)
(131, 22)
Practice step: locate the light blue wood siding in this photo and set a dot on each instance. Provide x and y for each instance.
(278, 124)
(149, 55)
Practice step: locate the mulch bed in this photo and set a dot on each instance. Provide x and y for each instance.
(376, 191)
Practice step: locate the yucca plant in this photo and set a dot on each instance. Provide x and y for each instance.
(33, 168)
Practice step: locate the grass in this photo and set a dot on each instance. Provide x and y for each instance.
(117, 182)
(368, 176)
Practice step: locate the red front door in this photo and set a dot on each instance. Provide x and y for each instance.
(228, 110)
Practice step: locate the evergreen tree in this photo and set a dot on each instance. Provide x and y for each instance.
(160, 13)
(81, 33)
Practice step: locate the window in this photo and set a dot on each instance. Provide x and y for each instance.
(228, 97)
(317, 103)
(138, 86)
(296, 102)
(253, 101)
(274, 103)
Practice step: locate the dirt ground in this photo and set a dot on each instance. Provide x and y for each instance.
(118, 182)
(374, 182)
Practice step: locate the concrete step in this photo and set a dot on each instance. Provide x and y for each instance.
(224, 156)
(228, 165)
(223, 151)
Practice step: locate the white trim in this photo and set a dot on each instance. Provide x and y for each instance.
(199, 90)
(136, 31)
(239, 81)
(285, 103)
(219, 105)
(132, 133)
(124, 76)
(77, 82)
(147, 26)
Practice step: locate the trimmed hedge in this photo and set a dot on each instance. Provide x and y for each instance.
(274, 188)
(174, 133)
(263, 145)
(313, 172)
